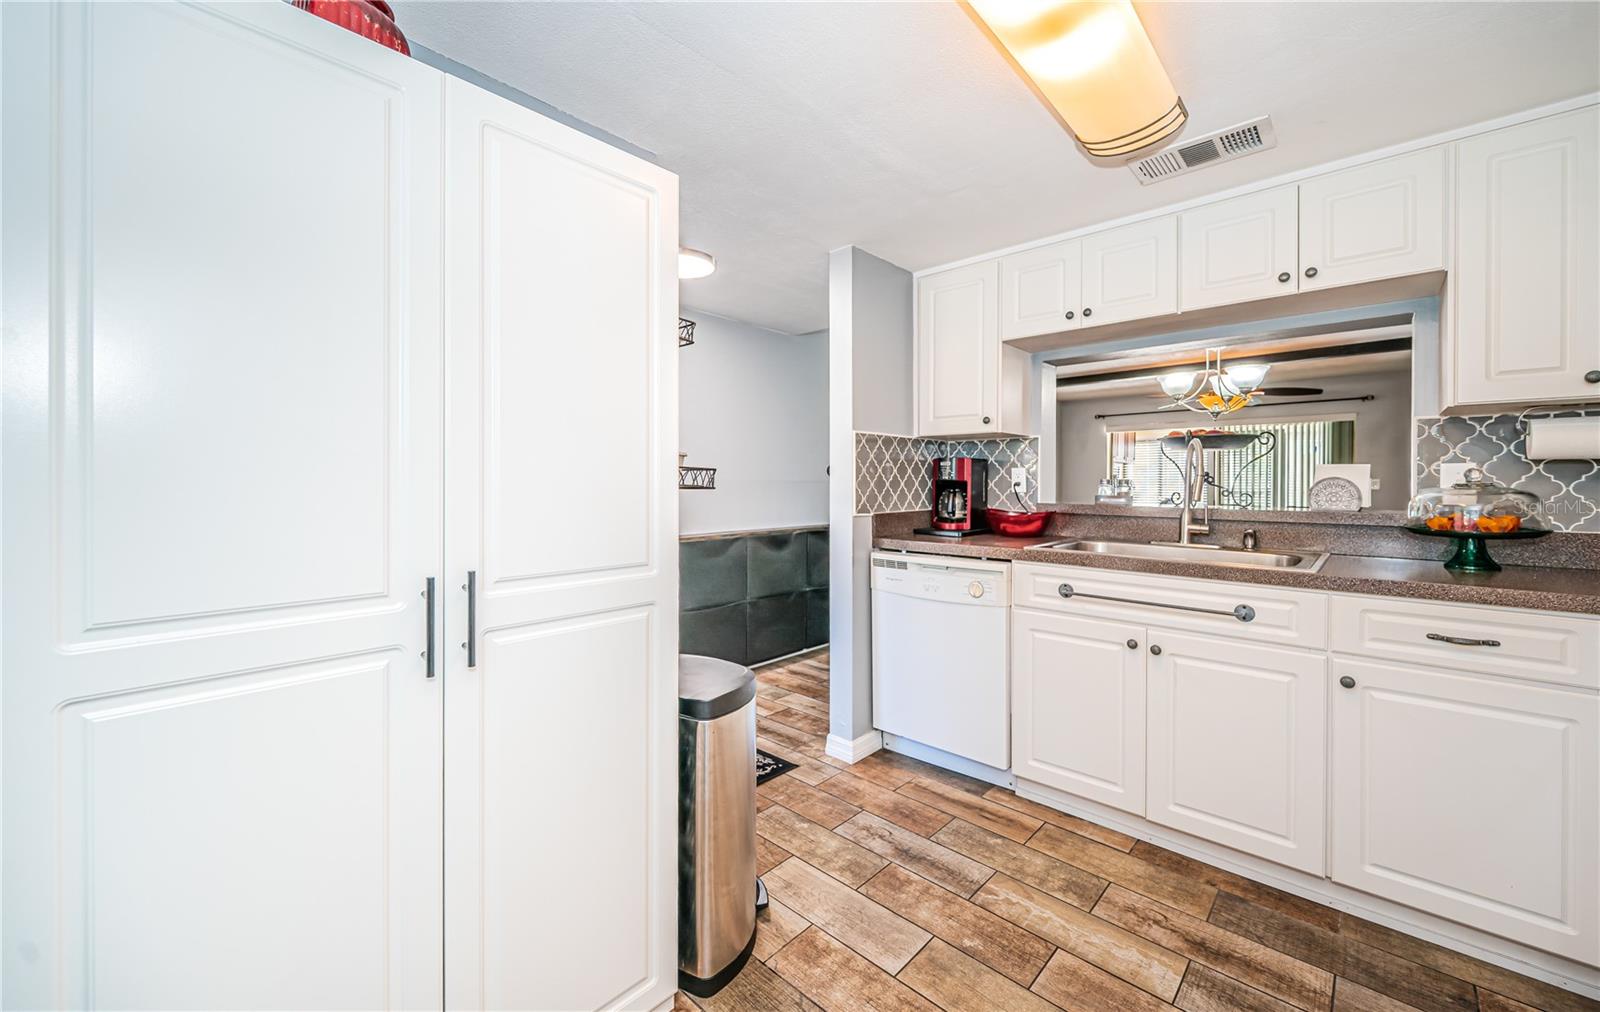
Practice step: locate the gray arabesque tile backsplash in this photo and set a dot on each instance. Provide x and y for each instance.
(1497, 443)
(895, 473)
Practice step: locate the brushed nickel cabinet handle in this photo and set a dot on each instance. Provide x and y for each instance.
(427, 602)
(1242, 612)
(1462, 641)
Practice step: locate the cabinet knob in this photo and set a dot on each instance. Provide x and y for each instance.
(1311, 272)
(1592, 376)
(986, 419)
(1284, 277)
(1070, 314)
(1133, 644)
(1155, 650)
(1087, 312)
(1347, 681)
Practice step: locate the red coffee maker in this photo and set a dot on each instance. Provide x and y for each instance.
(960, 497)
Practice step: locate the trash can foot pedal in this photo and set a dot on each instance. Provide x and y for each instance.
(761, 895)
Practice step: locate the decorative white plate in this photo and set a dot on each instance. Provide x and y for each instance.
(1335, 494)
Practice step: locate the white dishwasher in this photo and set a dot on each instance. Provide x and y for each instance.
(941, 653)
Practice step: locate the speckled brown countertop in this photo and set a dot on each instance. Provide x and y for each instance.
(1537, 587)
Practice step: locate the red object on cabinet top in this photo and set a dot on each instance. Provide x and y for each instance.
(372, 19)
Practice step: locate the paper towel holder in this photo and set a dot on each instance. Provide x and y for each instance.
(1582, 407)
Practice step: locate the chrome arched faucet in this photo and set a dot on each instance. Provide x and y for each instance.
(1194, 487)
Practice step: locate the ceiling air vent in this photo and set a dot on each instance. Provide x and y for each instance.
(1222, 146)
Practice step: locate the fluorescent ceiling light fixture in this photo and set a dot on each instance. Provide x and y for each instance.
(694, 263)
(1092, 65)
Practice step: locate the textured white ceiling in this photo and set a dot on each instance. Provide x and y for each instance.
(797, 128)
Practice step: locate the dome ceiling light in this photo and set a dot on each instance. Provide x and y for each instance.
(1093, 66)
(694, 263)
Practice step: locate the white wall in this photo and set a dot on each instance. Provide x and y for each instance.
(753, 403)
(1384, 436)
(869, 383)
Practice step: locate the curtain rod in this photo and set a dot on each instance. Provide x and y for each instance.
(1277, 404)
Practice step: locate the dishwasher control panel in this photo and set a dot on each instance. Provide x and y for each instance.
(940, 578)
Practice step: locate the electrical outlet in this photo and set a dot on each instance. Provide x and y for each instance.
(1019, 477)
(1376, 484)
(1453, 474)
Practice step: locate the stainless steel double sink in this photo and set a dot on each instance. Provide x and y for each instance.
(1294, 559)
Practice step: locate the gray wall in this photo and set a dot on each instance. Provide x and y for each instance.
(1384, 436)
(869, 389)
(753, 403)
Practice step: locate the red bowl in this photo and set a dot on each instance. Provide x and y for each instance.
(1018, 525)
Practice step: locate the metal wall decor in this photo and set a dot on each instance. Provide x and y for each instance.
(695, 477)
(1226, 495)
(685, 332)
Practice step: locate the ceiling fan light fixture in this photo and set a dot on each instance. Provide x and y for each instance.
(1246, 378)
(694, 263)
(1093, 65)
(1176, 384)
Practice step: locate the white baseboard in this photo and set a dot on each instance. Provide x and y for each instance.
(1552, 969)
(853, 752)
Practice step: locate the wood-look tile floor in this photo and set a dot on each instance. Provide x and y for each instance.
(897, 885)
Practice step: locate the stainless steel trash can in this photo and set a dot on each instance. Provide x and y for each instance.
(717, 888)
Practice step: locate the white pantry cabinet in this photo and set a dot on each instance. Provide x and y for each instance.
(1078, 706)
(1239, 250)
(225, 731)
(1474, 797)
(1237, 752)
(560, 289)
(1041, 290)
(1381, 220)
(1131, 272)
(968, 383)
(1526, 296)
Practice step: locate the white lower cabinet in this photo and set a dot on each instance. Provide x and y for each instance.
(1237, 752)
(1450, 764)
(1470, 796)
(1078, 706)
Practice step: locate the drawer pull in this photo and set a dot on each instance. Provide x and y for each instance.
(1462, 641)
(1242, 612)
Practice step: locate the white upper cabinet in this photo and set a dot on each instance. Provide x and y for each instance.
(1236, 739)
(1527, 306)
(1131, 272)
(1383, 220)
(958, 350)
(968, 383)
(1041, 290)
(1240, 249)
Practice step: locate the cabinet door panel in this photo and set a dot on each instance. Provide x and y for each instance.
(958, 350)
(1241, 249)
(1527, 320)
(560, 742)
(222, 478)
(1078, 706)
(1383, 220)
(1470, 797)
(1130, 273)
(1237, 745)
(1039, 289)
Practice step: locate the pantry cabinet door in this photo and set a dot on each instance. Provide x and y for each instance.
(958, 350)
(1130, 273)
(1078, 697)
(221, 495)
(1041, 290)
(1527, 305)
(1236, 734)
(1240, 249)
(1472, 797)
(561, 544)
(1383, 220)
